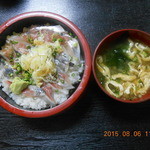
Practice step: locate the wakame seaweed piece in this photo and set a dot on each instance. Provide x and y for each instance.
(116, 56)
(101, 78)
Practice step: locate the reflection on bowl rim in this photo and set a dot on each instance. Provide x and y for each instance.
(96, 52)
(85, 78)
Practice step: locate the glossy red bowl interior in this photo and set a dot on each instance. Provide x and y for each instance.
(16, 24)
(134, 34)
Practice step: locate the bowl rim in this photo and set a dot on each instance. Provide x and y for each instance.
(86, 74)
(137, 100)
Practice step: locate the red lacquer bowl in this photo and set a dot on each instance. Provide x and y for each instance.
(134, 34)
(16, 24)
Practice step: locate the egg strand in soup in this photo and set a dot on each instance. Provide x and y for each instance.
(124, 69)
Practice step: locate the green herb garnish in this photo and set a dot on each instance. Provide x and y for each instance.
(54, 39)
(18, 54)
(26, 75)
(13, 42)
(62, 81)
(71, 34)
(11, 60)
(60, 40)
(11, 56)
(73, 74)
(19, 68)
(28, 47)
(56, 91)
(75, 37)
(11, 74)
(30, 40)
(54, 53)
(17, 72)
(80, 65)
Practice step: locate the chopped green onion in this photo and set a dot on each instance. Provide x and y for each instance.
(62, 81)
(54, 39)
(11, 60)
(11, 56)
(56, 91)
(11, 74)
(17, 72)
(71, 34)
(25, 79)
(54, 53)
(26, 75)
(73, 74)
(80, 65)
(30, 40)
(31, 82)
(60, 40)
(19, 68)
(58, 47)
(18, 54)
(13, 42)
(15, 66)
(28, 47)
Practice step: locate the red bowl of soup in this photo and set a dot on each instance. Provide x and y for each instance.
(121, 65)
(68, 31)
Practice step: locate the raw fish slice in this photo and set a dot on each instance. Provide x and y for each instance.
(48, 92)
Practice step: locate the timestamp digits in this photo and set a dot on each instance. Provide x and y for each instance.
(126, 133)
